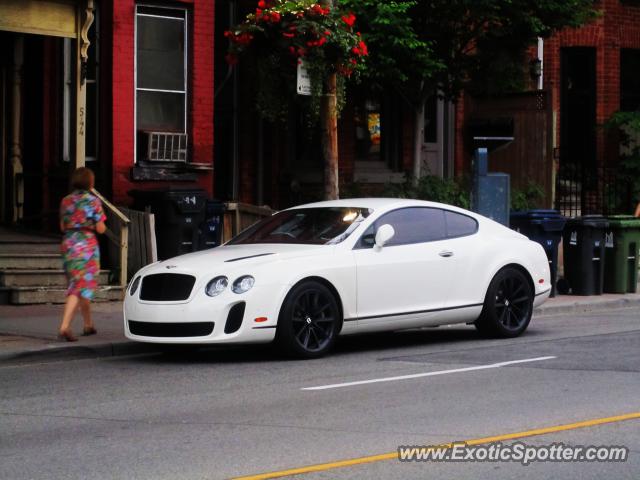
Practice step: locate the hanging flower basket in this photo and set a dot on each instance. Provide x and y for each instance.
(283, 34)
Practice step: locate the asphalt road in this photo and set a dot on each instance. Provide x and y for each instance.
(220, 413)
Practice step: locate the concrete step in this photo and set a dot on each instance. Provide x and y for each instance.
(31, 295)
(29, 247)
(41, 278)
(30, 261)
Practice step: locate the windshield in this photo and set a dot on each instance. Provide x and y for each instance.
(307, 226)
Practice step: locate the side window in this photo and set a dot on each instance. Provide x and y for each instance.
(459, 225)
(412, 225)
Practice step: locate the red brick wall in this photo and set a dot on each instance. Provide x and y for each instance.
(201, 94)
(618, 27)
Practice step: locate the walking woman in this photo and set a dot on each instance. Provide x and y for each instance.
(81, 217)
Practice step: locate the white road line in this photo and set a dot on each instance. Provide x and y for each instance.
(428, 374)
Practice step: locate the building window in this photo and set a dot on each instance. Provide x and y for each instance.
(630, 80)
(368, 130)
(378, 128)
(161, 79)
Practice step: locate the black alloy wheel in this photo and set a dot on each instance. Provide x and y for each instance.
(309, 320)
(508, 304)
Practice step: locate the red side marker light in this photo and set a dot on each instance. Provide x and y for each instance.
(260, 319)
(541, 280)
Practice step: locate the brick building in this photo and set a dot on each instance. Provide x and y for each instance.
(124, 87)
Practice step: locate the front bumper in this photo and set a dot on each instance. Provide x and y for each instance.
(188, 322)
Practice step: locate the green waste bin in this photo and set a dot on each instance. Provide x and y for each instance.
(622, 242)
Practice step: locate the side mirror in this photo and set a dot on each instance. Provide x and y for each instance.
(383, 235)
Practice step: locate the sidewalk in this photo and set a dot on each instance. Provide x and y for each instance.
(28, 333)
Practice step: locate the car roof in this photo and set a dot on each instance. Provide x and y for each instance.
(374, 203)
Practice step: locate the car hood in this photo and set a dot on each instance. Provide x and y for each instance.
(227, 257)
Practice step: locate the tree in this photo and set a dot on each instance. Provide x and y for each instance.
(286, 36)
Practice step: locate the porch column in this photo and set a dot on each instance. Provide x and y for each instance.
(84, 21)
(16, 114)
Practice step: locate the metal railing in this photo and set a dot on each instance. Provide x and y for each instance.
(119, 238)
(586, 190)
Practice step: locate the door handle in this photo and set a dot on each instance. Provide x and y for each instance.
(446, 253)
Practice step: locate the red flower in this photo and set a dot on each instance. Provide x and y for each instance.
(350, 20)
(327, 33)
(319, 10)
(275, 17)
(360, 49)
(288, 35)
(262, 4)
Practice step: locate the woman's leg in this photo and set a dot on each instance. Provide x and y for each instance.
(70, 307)
(85, 307)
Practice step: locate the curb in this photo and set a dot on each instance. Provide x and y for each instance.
(79, 352)
(581, 307)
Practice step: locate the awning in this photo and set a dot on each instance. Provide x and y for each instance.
(42, 17)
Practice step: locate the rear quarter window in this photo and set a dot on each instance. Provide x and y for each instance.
(459, 225)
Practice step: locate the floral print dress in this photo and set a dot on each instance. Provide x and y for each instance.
(79, 213)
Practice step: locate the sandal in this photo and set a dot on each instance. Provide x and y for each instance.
(67, 336)
(89, 331)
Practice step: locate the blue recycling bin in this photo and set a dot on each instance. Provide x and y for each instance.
(544, 227)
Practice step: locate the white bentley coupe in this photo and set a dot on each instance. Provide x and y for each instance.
(308, 274)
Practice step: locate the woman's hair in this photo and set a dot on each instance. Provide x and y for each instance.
(82, 179)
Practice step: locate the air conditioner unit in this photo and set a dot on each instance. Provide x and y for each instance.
(166, 147)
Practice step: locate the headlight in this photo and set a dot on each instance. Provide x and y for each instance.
(134, 286)
(243, 284)
(216, 286)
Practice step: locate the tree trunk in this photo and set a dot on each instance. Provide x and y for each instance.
(329, 115)
(418, 139)
(329, 118)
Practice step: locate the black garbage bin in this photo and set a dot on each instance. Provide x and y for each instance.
(584, 254)
(544, 227)
(178, 211)
(210, 230)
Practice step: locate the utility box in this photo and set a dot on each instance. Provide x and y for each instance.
(491, 194)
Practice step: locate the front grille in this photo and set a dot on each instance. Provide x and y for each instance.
(152, 329)
(166, 287)
(234, 319)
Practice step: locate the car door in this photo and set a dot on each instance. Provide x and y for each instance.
(411, 275)
(466, 248)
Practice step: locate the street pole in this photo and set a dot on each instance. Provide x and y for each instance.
(329, 119)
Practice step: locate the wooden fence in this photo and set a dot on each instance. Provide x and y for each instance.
(141, 241)
(529, 158)
(240, 216)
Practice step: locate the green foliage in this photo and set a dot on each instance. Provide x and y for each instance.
(484, 40)
(397, 53)
(527, 198)
(628, 126)
(432, 188)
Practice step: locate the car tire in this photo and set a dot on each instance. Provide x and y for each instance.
(309, 321)
(508, 305)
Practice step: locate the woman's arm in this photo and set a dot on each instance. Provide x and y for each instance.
(637, 213)
(101, 227)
